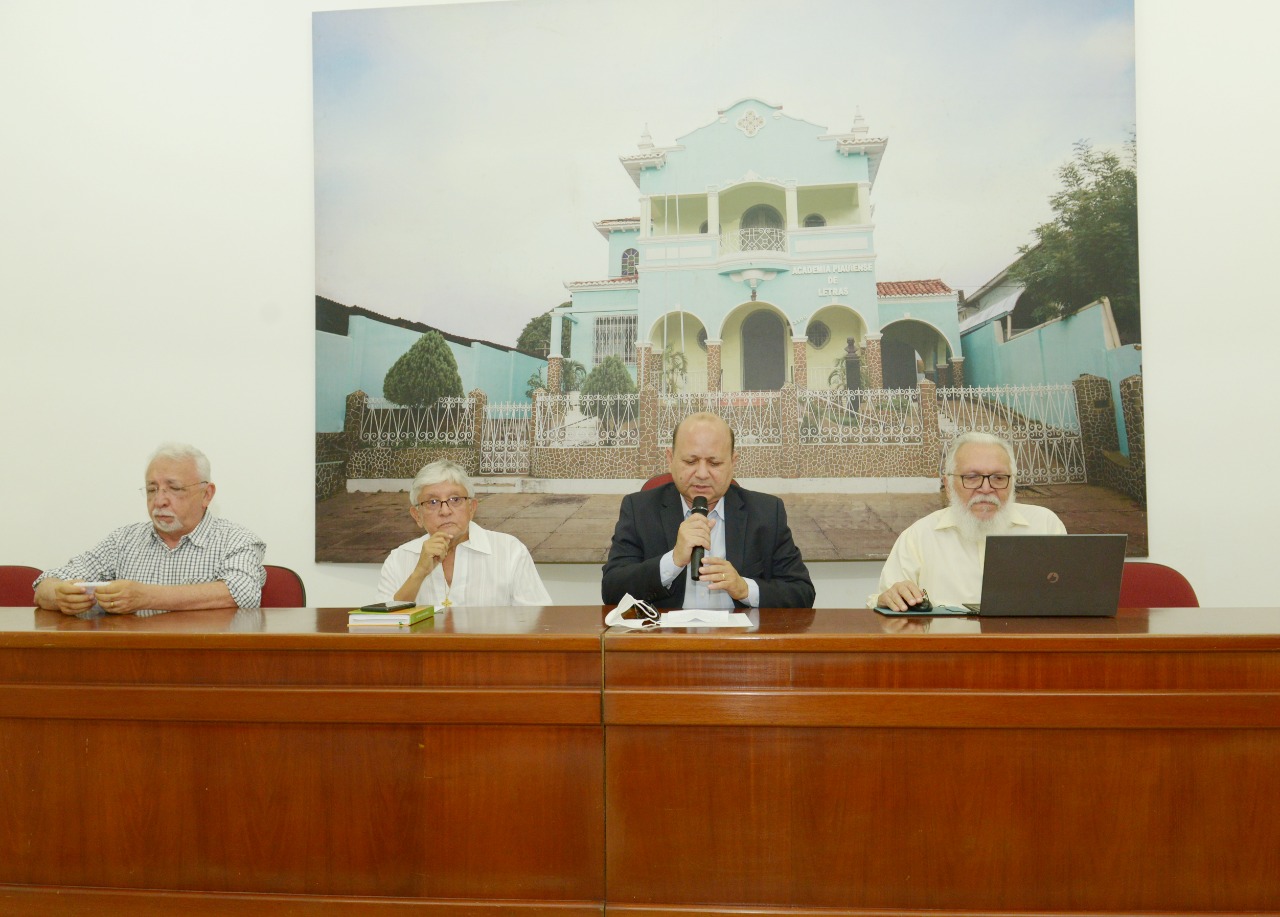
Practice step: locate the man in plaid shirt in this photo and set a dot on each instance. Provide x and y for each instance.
(183, 558)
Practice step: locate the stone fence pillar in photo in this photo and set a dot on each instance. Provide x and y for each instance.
(957, 372)
(479, 406)
(331, 464)
(800, 362)
(931, 450)
(357, 404)
(789, 415)
(649, 452)
(1098, 433)
(555, 372)
(713, 365)
(874, 367)
(1131, 402)
(643, 367)
(540, 404)
(1135, 427)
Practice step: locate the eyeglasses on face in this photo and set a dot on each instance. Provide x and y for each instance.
(154, 490)
(974, 481)
(433, 505)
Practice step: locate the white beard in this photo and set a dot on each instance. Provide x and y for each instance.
(171, 525)
(974, 529)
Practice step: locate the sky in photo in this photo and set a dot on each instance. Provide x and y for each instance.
(464, 151)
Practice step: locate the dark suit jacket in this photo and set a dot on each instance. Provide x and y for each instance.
(757, 542)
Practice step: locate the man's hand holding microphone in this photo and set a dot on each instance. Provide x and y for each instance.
(692, 541)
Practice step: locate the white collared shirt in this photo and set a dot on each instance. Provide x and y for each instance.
(489, 568)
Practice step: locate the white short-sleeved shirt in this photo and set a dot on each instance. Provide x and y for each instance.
(489, 568)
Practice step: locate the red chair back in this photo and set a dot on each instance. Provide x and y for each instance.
(1147, 585)
(283, 589)
(657, 481)
(15, 585)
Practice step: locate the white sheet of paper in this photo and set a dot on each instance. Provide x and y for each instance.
(705, 617)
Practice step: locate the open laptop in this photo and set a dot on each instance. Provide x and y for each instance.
(1047, 575)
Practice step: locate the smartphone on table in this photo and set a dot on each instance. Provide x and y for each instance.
(387, 606)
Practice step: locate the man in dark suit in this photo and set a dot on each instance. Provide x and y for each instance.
(750, 557)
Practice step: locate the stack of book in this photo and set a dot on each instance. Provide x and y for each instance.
(389, 614)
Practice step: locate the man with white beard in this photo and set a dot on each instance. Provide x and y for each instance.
(183, 558)
(942, 554)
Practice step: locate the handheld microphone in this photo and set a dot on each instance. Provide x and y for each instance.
(695, 558)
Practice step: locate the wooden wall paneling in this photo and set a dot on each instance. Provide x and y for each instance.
(421, 769)
(1064, 766)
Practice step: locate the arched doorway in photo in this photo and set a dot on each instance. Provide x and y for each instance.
(764, 353)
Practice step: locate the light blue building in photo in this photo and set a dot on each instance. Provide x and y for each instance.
(355, 347)
(752, 263)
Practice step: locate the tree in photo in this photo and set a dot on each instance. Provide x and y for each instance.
(1090, 248)
(425, 373)
(571, 375)
(610, 377)
(536, 336)
(675, 368)
(535, 381)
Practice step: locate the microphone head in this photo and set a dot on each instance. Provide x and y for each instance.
(699, 505)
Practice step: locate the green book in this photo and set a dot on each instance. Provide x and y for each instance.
(403, 617)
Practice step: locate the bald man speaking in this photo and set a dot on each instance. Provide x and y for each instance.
(747, 556)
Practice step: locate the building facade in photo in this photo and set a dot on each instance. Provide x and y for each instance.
(752, 264)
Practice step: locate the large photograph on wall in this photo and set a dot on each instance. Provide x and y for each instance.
(546, 230)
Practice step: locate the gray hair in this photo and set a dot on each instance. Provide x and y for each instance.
(982, 439)
(438, 472)
(182, 452)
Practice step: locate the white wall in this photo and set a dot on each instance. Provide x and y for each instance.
(156, 279)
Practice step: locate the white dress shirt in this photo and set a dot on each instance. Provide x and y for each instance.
(489, 568)
(933, 554)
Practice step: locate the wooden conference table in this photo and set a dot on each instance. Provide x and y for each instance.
(530, 761)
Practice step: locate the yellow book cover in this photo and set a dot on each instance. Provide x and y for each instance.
(403, 617)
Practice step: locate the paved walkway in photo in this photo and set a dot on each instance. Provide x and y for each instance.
(576, 528)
